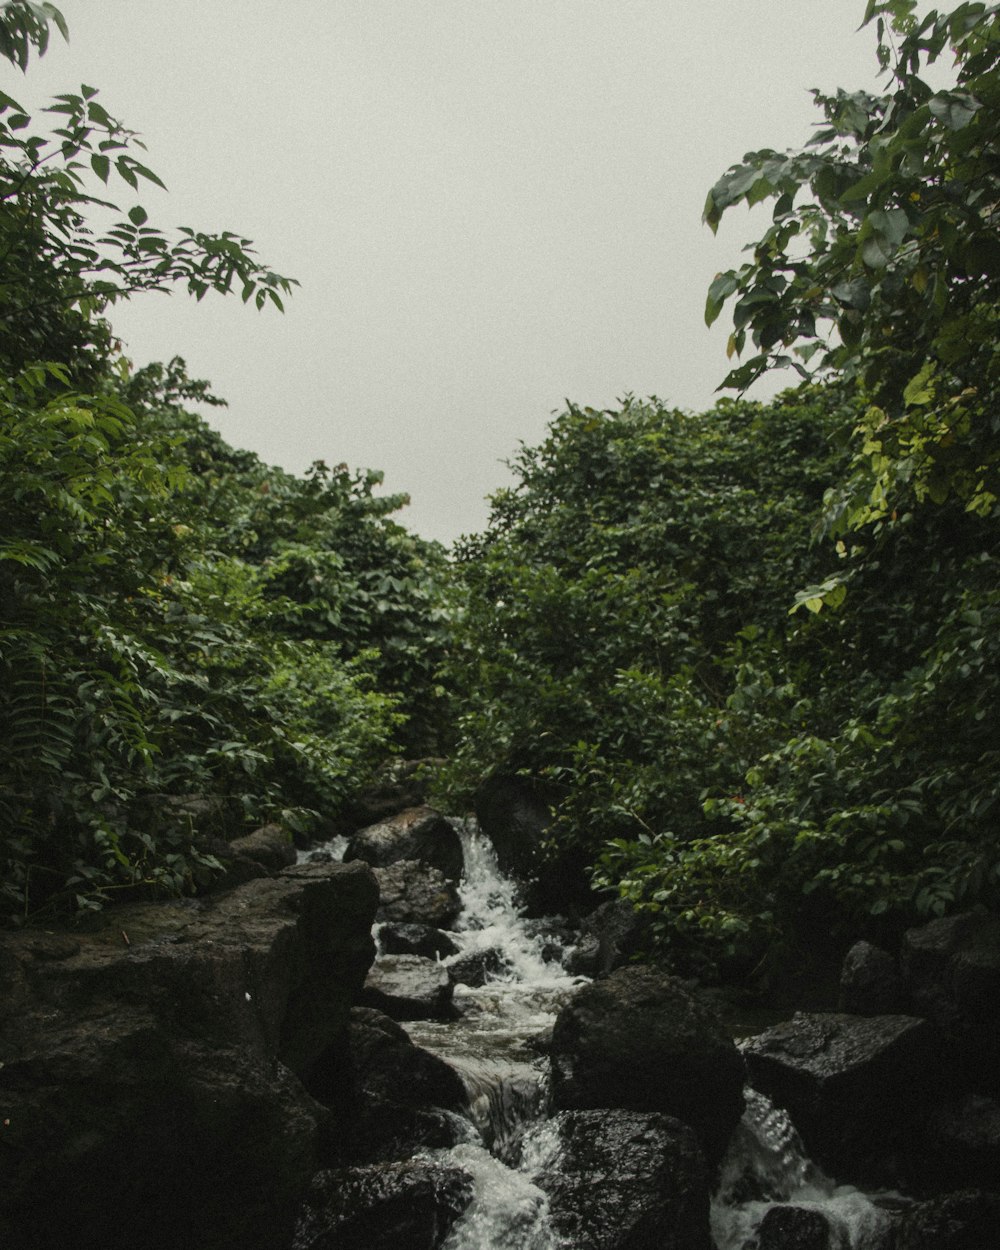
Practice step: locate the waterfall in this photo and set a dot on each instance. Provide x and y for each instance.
(497, 1047)
(765, 1165)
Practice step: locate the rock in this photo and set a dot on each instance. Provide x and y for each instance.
(418, 833)
(149, 1077)
(415, 939)
(409, 987)
(397, 785)
(407, 1205)
(952, 971)
(390, 1067)
(621, 1180)
(514, 812)
(786, 1227)
(870, 982)
(270, 846)
(477, 968)
(609, 937)
(962, 1144)
(638, 1040)
(855, 1087)
(412, 894)
(399, 1098)
(968, 1220)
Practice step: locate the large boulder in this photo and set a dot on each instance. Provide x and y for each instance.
(399, 1098)
(967, 1220)
(397, 785)
(409, 987)
(789, 1227)
(609, 937)
(870, 982)
(415, 939)
(952, 971)
(639, 1040)
(419, 833)
(149, 1089)
(961, 1146)
(412, 894)
(407, 1205)
(855, 1087)
(514, 812)
(621, 1180)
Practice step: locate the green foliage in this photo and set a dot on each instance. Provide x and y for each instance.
(882, 265)
(181, 627)
(745, 776)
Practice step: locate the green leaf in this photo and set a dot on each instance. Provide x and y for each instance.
(101, 166)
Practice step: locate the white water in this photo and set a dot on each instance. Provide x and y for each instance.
(493, 1046)
(766, 1164)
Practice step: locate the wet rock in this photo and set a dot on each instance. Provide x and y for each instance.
(398, 1098)
(609, 937)
(270, 846)
(639, 1040)
(871, 983)
(477, 968)
(149, 1077)
(419, 833)
(854, 1086)
(409, 987)
(416, 939)
(389, 1066)
(622, 1180)
(787, 1227)
(412, 894)
(388, 1206)
(952, 971)
(968, 1220)
(962, 1144)
(514, 812)
(397, 785)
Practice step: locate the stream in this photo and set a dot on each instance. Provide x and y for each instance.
(497, 1047)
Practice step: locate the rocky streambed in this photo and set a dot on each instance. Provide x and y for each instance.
(249, 1070)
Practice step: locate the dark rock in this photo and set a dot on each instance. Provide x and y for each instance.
(412, 894)
(418, 833)
(962, 1144)
(514, 812)
(952, 971)
(409, 987)
(149, 1064)
(639, 1040)
(477, 968)
(407, 1205)
(968, 1220)
(397, 785)
(415, 939)
(798, 1228)
(390, 1067)
(609, 937)
(622, 1180)
(870, 982)
(398, 1097)
(270, 846)
(855, 1087)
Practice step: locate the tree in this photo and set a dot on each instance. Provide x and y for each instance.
(63, 259)
(882, 265)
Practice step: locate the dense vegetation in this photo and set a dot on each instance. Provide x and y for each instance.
(745, 775)
(183, 630)
(753, 652)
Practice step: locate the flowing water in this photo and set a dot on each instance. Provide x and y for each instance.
(497, 1044)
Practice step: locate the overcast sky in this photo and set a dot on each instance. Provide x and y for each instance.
(492, 205)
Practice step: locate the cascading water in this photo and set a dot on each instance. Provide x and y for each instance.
(494, 1045)
(765, 1165)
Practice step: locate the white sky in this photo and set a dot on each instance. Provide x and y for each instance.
(491, 205)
